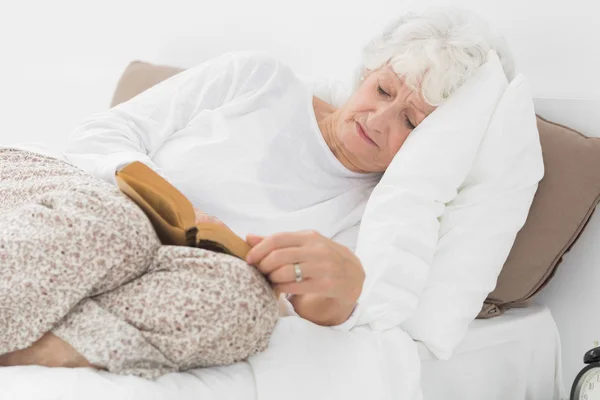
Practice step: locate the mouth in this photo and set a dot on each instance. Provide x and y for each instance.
(363, 134)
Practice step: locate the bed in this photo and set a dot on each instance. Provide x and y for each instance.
(516, 356)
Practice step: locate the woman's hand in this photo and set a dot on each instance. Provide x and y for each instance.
(332, 276)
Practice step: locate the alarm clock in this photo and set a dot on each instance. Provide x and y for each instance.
(586, 385)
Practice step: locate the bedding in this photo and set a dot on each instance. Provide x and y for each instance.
(303, 361)
(557, 217)
(480, 224)
(139, 76)
(516, 356)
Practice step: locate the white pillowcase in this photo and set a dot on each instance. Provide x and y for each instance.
(479, 226)
(400, 226)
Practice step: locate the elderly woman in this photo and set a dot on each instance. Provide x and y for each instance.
(247, 142)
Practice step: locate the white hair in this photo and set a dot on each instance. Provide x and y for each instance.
(435, 52)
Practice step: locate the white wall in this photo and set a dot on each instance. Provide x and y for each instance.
(61, 59)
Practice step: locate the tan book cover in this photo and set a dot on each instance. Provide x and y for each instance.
(172, 214)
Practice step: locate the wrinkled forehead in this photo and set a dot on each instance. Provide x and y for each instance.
(388, 74)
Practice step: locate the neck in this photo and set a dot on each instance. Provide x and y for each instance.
(328, 119)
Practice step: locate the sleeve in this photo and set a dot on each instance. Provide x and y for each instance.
(136, 129)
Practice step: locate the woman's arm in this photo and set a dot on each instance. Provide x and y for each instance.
(136, 129)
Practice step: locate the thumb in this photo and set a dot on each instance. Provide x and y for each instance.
(253, 240)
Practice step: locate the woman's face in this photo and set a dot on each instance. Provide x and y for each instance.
(377, 119)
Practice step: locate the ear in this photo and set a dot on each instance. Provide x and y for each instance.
(365, 72)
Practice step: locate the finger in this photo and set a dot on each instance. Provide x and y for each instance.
(270, 243)
(281, 257)
(287, 273)
(210, 220)
(253, 240)
(203, 218)
(303, 287)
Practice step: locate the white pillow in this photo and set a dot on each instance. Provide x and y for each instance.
(400, 226)
(479, 226)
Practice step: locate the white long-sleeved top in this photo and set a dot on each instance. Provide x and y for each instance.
(238, 136)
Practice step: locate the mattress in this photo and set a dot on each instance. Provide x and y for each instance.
(516, 356)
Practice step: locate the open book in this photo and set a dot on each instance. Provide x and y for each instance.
(172, 214)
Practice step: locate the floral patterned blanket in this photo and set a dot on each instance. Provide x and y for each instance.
(79, 259)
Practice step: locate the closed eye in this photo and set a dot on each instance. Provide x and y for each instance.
(407, 122)
(382, 92)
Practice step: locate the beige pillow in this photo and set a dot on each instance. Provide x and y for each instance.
(563, 204)
(566, 198)
(139, 76)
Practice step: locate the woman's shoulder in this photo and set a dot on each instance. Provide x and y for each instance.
(242, 64)
(255, 69)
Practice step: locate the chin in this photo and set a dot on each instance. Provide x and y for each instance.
(362, 155)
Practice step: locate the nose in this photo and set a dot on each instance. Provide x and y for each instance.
(381, 118)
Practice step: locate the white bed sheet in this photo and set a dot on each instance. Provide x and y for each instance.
(516, 356)
(317, 363)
